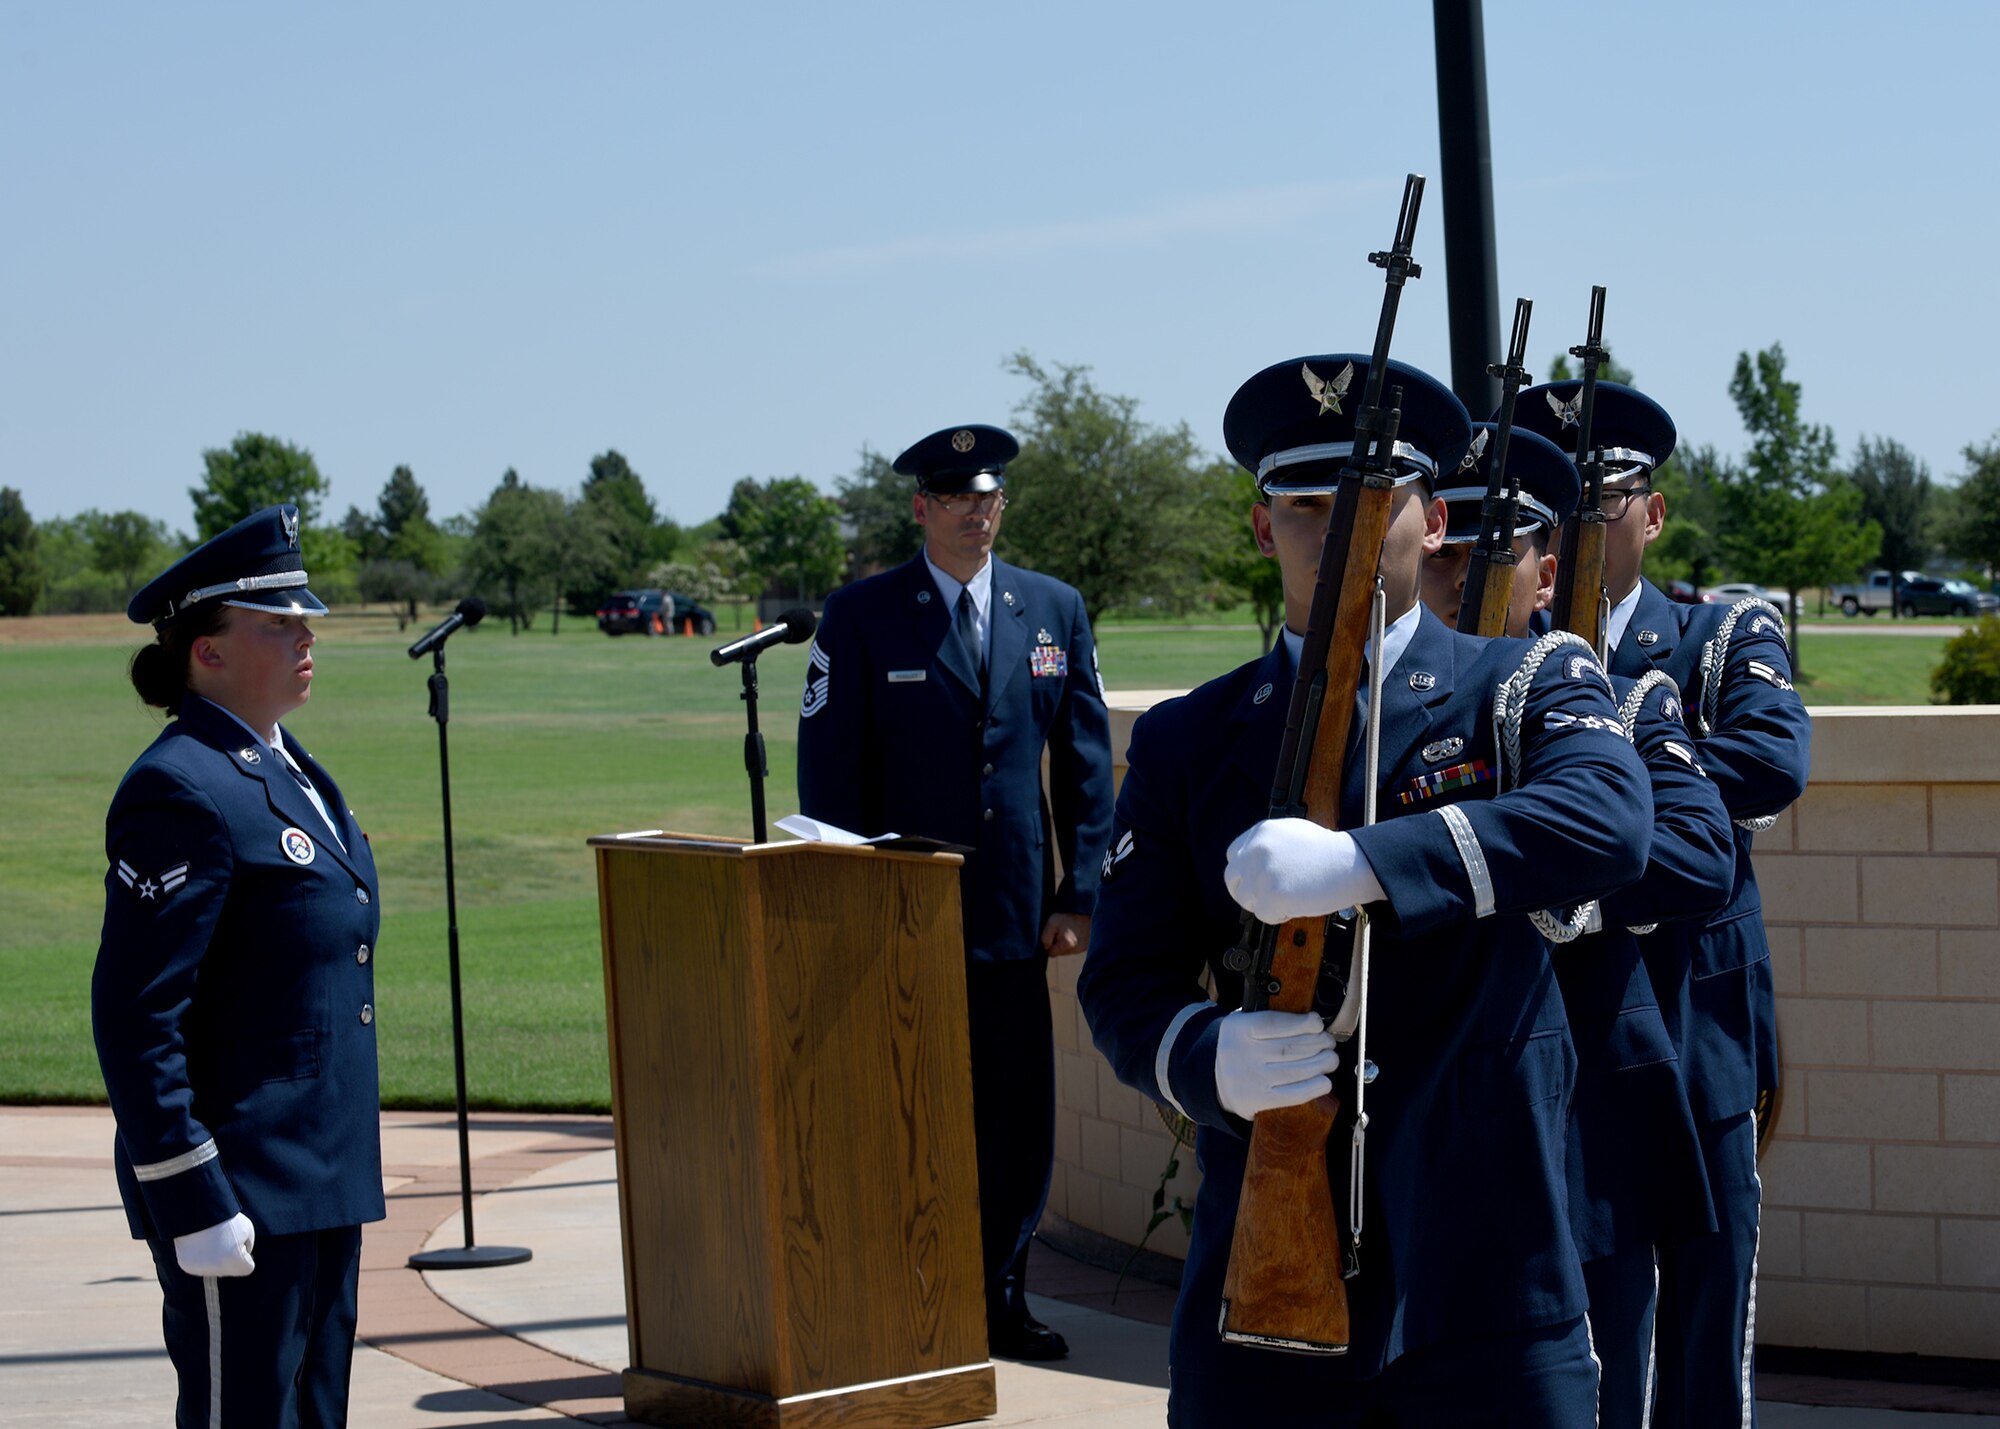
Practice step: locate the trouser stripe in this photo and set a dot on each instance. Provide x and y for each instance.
(1652, 1351)
(1597, 1373)
(211, 1291)
(1750, 1305)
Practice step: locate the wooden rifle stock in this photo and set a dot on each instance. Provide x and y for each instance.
(1283, 1288)
(1489, 573)
(1579, 602)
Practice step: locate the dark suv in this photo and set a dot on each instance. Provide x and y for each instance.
(652, 612)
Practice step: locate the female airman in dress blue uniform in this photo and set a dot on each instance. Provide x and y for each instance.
(233, 996)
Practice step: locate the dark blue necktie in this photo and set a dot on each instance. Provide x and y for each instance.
(968, 634)
(292, 767)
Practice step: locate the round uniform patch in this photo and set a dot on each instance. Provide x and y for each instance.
(297, 846)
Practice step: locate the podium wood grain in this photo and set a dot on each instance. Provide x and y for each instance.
(791, 1083)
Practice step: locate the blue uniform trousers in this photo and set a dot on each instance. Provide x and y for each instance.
(275, 1345)
(1622, 1287)
(1708, 1294)
(1535, 1379)
(1013, 1109)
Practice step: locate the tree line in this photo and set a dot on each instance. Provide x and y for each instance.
(1138, 517)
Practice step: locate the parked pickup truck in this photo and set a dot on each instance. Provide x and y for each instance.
(1912, 594)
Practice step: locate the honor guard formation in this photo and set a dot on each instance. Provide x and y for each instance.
(1438, 922)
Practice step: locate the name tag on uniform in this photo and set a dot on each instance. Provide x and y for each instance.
(908, 677)
(1048, 660)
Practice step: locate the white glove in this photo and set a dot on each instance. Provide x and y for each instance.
(222, 1249)
(1283, 869)
(1272, 1059)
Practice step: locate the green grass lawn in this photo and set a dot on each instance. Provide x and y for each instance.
(552, 740)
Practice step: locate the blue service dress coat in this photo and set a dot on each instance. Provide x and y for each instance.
(1467, 1232)
(233, 997)
(895, 737)
(1636, 1175)
(1755, 742)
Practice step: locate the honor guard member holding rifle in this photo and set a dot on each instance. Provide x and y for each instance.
(1468, 1305)
(932, 691)
(233, 998)
(1753, 738)
(1636, 1177)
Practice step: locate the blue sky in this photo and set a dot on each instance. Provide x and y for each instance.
(737, 240)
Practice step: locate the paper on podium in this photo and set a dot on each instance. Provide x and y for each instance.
(818, 831)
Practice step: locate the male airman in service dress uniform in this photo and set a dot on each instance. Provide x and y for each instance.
(1469, 1302)
(233, 997)
(1636, 1178)
(932, 691)
(1753, 738)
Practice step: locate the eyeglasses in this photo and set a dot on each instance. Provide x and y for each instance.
(1615, 502)
(965, 502)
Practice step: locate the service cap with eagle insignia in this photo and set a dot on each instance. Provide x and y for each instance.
(1292, 425)
(959, 459)
(255, 564)
(1629, 431)
(1547, 480)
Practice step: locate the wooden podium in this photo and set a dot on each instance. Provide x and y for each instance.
(792, 1090)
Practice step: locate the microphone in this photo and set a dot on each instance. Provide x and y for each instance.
(793, 626)
(470, 611)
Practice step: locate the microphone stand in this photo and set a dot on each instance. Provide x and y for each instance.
(468, 1256)
(754, 762)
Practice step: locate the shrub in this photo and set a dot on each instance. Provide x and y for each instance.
(1969, 674)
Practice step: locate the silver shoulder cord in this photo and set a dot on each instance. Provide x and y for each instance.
(1628, 715)
(1714, 660)
(1510, 709)
(1351, 1021)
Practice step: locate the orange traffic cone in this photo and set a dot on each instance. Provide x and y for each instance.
(687, 626)
(756, 623)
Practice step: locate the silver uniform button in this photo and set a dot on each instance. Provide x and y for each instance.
(360, 895)
(367, 1013)
(987, 816)
(987, 771)
(361, 953)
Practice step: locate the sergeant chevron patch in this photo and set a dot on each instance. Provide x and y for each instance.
(1443, 781)
(1562, 719)
(155, 888)
(819, 674)
(1769, 674)
(1116, 854)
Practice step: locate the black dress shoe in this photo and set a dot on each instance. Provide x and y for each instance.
(1020, 1336)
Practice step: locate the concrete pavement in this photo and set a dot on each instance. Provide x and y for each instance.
(542, 1342)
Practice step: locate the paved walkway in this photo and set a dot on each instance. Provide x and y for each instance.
(542, 1342)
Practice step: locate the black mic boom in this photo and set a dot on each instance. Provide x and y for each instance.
(470, 611)
(794, 626)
